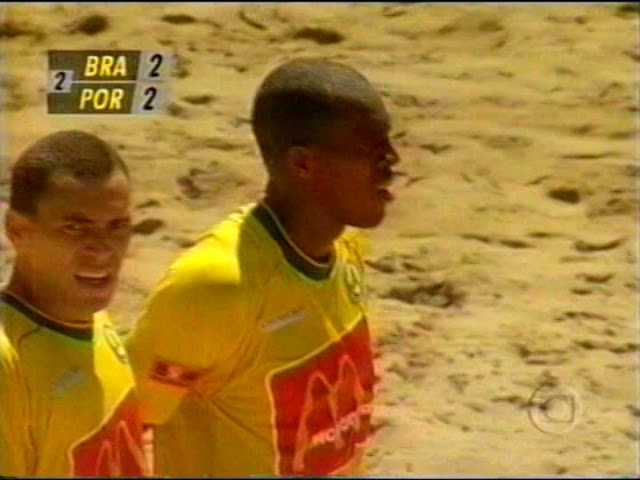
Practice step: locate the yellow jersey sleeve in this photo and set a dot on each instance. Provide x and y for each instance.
(171, 349)
(16, 450)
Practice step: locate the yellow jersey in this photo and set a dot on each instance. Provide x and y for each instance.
(252, 359)
(67, 403)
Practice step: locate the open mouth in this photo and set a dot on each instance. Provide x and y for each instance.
(385, 194)
(383, 190)
(101, 279)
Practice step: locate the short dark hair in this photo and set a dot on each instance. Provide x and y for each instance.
(79, 154)
(299, 102)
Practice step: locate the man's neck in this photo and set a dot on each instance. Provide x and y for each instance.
(308, 228)
(23, 290)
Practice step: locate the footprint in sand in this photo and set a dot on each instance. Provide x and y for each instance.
(89, 25)
(199, 99)
(436, 148)
(581, 291)
(634, 410)
(178, 19)
(147, 226)
(205, 184)
(10, 29)
(176, 110)
(628, 10)
(514, 243)
(472, 23)
(400, 263)
(180, 65)
(380, 421)
(321, 36)
(589, 322)
(580, 316)
(180, 241)
(598, 343)
(614, 93)
(540, 234)
(386, 264)
(565, 194)
(590, 155)
(441, 294)
(13, 97)
(152, 202)
(392, 11)
(623, 203)
(514, 399)
(590, 246)
(406, 100)
(535, 355)
(459, 381)
(406, 350)
(505, 142)
(595, 277)
(503, 241)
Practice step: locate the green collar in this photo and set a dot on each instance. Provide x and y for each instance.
(38, 318)
(296, 258)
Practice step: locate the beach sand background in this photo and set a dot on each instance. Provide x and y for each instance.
(509, 261)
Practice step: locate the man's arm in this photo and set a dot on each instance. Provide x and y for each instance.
(16, 449)
(188, 330)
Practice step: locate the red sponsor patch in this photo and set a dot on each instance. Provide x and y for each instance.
(323, 408)
(173, 374)
(115, 449)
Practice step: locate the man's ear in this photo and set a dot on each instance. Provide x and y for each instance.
(17, 227)
(299, 161)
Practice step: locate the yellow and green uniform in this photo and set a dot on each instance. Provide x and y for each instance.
(252, 358)
(67, 398)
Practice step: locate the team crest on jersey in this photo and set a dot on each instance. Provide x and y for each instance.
(113, 340)
(354, 282)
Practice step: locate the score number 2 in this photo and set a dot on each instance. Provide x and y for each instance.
(150, 95)
(150, 98)
(156, 62)
(60, 77)
(60, 81)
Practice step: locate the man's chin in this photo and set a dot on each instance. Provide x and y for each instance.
(369, 222)
(94, 303)
(100, 303)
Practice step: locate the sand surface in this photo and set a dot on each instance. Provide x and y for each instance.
(509, 260)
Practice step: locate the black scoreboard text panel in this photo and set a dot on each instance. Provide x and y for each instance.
(107, 81)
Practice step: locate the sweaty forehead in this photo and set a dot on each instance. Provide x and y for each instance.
(93, 199)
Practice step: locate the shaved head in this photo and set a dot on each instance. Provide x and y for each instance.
(302, 102)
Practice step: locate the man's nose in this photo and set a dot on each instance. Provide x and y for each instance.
(99, 247)
(393, 157)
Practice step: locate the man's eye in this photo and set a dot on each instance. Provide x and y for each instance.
(74, 229)
(124, 225)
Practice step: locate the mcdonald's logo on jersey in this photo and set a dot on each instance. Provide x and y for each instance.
(115, 449)
(322, 408)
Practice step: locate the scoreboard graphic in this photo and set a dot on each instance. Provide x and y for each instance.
(108, 81)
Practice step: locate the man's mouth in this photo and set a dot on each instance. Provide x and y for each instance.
(94, 279)
(383, 189)
(385, 194)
